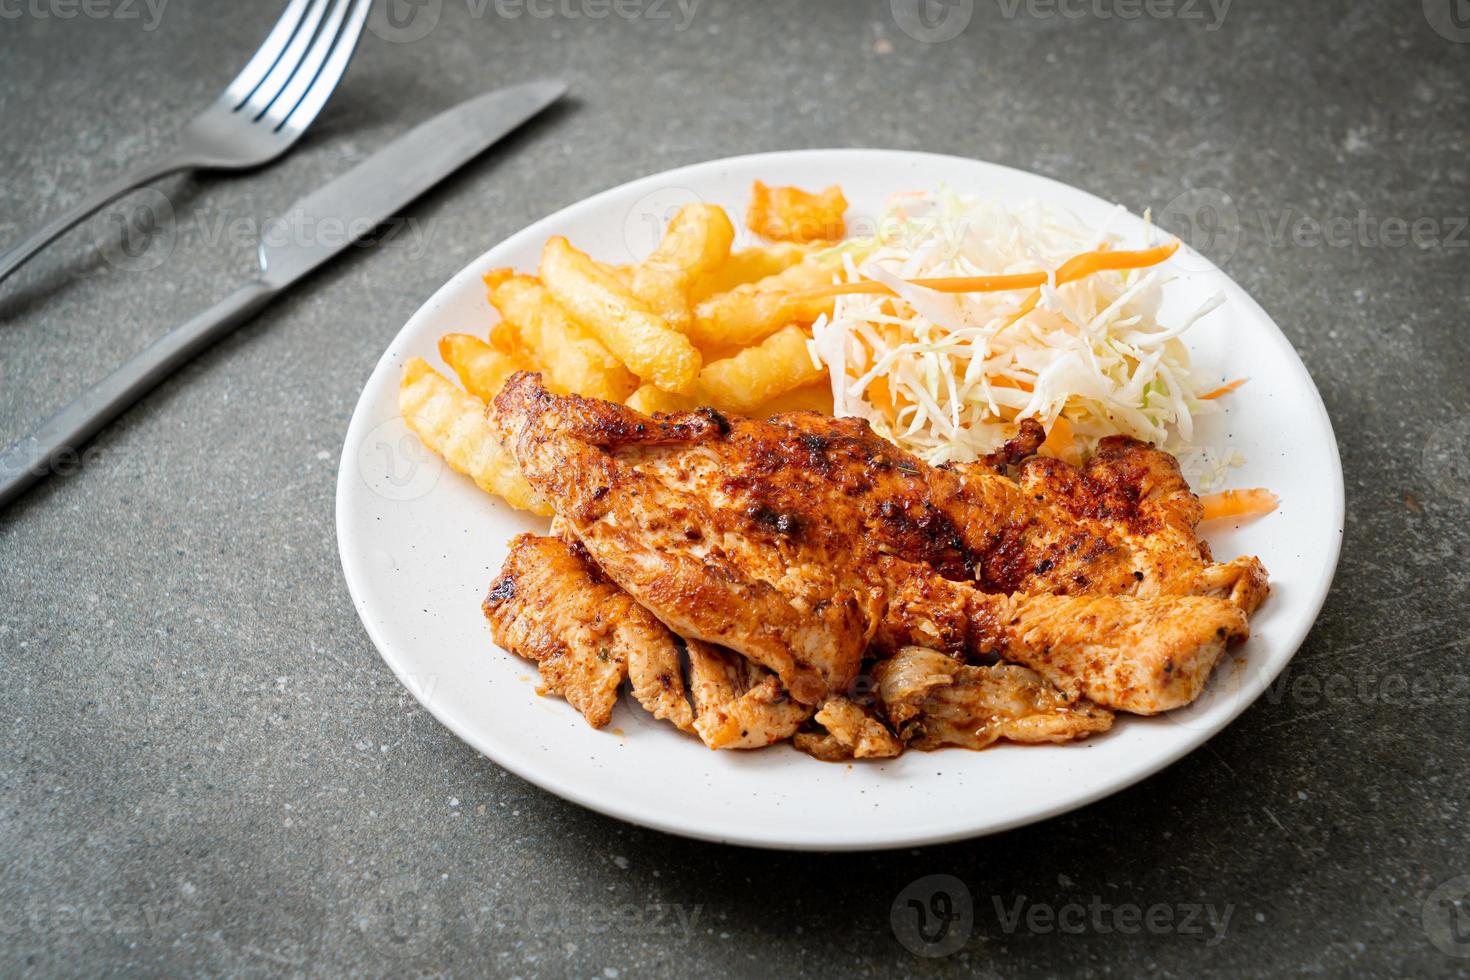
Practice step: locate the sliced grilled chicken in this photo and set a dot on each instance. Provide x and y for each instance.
(848, 731)
(738, 704)
(1142, 655)
(933, 701)
(551, 605)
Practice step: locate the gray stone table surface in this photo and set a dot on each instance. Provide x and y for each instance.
(207, 768)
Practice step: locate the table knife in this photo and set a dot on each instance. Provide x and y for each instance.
(356, 202)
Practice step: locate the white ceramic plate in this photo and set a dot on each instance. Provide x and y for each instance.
(420, 545)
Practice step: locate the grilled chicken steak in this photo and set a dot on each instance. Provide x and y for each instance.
(796, 542)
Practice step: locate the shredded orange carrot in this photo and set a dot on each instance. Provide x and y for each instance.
(1223, 389)
(1061, 442)
(1000, 381)
(956, 284)
(1238, 503)
(882, 397)
(1077, 267)
(1101, 260)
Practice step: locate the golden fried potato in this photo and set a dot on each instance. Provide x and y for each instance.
(572, 359)
(756, 310)
(808, 398)
(637, 336)
(495, 277)
(503, 335)
(697, 240)
(651, 398)
(776, 365)
(790, 214)
(481, 368)
(452, 423)
(747, 265)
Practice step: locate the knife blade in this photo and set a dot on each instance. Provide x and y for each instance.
(374, 190)
(350, 206)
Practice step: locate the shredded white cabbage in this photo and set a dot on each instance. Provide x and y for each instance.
(944, 377)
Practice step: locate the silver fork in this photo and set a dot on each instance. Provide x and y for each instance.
(255, 119)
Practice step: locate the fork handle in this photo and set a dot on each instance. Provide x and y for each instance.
(58, 443)
(17, 255)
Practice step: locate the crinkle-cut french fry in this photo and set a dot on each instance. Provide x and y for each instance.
(495, 277)
(697, 240)
(637, 336)
(481, 368)
(747, 265)
(776, 365)
(808, 398)
(776, 375)
(452, 423)
(571, 358)
(790, 214)
(650, 399)
(756, 310)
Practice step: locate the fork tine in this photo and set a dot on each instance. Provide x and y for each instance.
(326, 80)
(310, 66)
(266, 55)
(265, 93)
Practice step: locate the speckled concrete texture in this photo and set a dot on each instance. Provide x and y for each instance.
(206, 767)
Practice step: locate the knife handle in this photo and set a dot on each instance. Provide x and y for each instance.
(60, 440)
